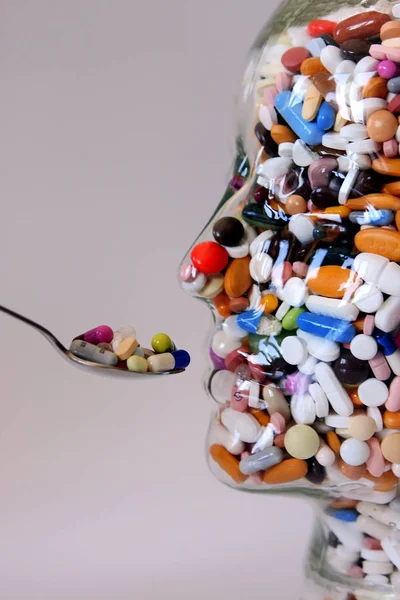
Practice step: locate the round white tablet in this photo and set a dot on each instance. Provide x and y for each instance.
(368, 298)
(354, 452)
(363, 346)
(373, 392)
(293, 350)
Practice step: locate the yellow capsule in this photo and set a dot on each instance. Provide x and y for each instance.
(342, 211)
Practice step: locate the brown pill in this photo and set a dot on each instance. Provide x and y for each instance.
(287, 471)
(360, 26)
(397, 220)
(324, 82)
(311, 66)
(381, 201)
(295, 204)
(385, 482)
(222, 304)
(391, 420)
(281, 134)
(279, 440)
(237, 277)
(384, 242)
(351, 472)
(333, 442)
(238, 305)
(382, 126)
(260, 416)
(390, 30)
(376, 88)
(227, 462)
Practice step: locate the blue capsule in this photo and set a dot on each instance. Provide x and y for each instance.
(346, 514)
(333, 329)
(326, 117)
(249, 320)
(372, 216)
(290, 109)
(386, 342)
(182, 359)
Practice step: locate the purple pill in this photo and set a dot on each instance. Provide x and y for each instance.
(217, 361)
(387, 69)
(99, 334)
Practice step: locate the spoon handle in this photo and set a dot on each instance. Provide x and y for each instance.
(47, 334)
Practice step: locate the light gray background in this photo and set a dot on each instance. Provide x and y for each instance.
(115, 145)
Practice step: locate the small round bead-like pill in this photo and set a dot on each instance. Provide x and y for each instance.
(161, 342)
(387, 69)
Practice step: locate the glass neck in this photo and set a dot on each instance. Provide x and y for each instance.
(333, 569)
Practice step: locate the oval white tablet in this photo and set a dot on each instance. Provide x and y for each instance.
(293, 350)
(368, 298)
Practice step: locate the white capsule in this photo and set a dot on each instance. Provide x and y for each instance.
(228, 440)
(387, 317)
(243, 425)
(332, 307)
(389, 280)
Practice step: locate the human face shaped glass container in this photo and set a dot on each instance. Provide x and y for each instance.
(300, 267)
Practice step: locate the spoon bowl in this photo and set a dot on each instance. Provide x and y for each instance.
(81, 363)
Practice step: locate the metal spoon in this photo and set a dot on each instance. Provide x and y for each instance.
(96, 368)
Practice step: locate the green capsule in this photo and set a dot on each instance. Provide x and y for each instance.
(289, 321)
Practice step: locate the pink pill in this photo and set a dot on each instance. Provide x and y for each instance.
(376, 462)
(236, 358)
(256, 477)
(281, 273)
(393, 402)
(187, 272)
(390, 148)
(102, 333)
(297, 383)
(377, 51)
(269, 95)
(283, 81)
(279, 423)
(380, 367)
(397, 339)
(387, 69)
(392, 54)
(371, 543)
(369, 324)
(257, 371)
(300, 268)
(355, 572)
(311, 207)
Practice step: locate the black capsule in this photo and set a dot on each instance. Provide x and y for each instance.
(336, 181)
(263, 216)
(323, 197)
(329, 231)
(228, 231)
(316, 472)
(328, 39)
(265, 139)
(281, 247)
(351, 370)
(355, 50)
(368, 182)
(296, 182)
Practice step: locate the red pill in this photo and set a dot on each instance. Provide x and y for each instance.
(293, 58)
(209, 257)
(319, 26)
